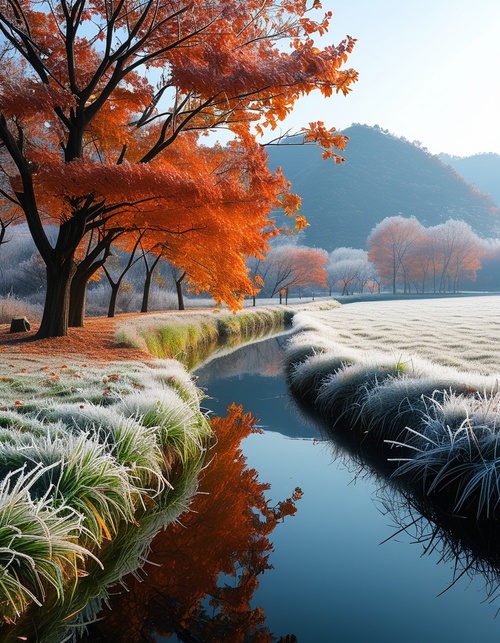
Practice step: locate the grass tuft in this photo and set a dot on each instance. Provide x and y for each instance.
(88, 479)
(431, 427)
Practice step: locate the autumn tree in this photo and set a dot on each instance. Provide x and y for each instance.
(96, 99)
(115, 280)
(288, 266)
(457, 253)
(421, 263)
(437, 257)
(489, 277)
(150, 261)
(390, 245)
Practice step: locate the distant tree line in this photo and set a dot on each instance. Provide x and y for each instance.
(403, 256)
(412, 258)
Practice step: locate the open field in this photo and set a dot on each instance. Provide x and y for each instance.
(461, 332)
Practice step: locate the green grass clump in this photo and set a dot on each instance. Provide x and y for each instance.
(103, 468)
(191, 338)
(38, 548)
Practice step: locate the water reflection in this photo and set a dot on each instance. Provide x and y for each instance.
(205, 570)
(470, 546)
(252, 375)
(332, 580)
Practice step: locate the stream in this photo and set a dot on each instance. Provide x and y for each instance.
(340, 569)
(338, 575)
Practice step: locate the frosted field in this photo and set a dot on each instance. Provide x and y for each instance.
(461, 332)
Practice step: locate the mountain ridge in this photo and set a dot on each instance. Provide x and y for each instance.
(382, 176)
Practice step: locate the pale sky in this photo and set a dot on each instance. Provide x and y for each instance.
(429, 71)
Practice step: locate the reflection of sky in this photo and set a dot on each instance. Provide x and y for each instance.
(332, 579)
(251, 376)
(262, 357)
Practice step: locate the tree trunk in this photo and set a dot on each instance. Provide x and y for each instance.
(55, 319)
(78, 300)
(78, 293)
(178, 287)
(145, 292)
(115, 287)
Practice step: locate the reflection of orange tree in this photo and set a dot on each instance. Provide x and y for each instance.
(206, 568)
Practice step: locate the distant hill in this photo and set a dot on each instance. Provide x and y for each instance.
(481, 170)
(381, 176)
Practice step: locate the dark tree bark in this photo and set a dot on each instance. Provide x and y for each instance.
(115, 285)
(180, 295)
(56, 308)
(95, 258)
(147, 282)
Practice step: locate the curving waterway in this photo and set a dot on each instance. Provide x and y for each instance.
(342, 569)
(350, 564)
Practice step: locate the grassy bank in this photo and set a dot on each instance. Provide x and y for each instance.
(93, 462)
(431, 428)
(190, 338)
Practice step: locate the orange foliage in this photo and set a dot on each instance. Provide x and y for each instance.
(328, 139)
(288, 266)
(101, 106)
(225, 532)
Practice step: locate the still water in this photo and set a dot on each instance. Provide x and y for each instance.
(342, 570)
(329, 566)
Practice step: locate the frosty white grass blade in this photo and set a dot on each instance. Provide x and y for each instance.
(435, 426)
(38, 548)
(133, 445)
(459, 452)
(108, 462)
(179, 424)
(82, 475)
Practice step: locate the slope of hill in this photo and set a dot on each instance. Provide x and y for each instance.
(381, 176)
(481, 170)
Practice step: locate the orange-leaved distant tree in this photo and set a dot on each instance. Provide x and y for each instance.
(433, 258)
(390, 246)
(289, 266)
(226, 534)
(457, 252)
(94, 93)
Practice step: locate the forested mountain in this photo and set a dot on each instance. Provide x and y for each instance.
(481, 170)
(382, 176)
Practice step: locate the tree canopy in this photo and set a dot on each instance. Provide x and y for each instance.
(101, 108)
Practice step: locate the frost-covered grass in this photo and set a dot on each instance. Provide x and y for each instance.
(461, 332)
(400, 405)
(93, 462)
(191, 337)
